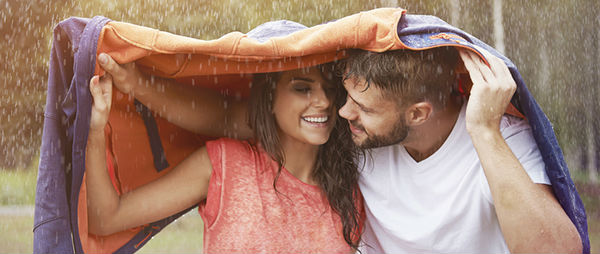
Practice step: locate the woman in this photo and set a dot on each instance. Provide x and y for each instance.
(293, 189)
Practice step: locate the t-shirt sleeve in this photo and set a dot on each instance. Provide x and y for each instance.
(518, 136)
(209, 208)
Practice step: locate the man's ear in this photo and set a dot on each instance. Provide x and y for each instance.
(418, 113)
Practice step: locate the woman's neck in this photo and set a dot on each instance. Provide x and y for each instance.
(300, 159)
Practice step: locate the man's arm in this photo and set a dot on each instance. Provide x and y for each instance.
(530, 217)
(196, 109)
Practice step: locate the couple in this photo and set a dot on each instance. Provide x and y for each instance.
(442, 173)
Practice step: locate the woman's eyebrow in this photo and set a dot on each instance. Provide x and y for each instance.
(303, 79)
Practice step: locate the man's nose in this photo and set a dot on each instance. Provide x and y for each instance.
(347, 112)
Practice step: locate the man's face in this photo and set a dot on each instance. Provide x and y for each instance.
(374, 120)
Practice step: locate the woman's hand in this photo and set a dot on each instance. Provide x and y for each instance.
(101, 89)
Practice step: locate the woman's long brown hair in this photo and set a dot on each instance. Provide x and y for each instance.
(335, 171)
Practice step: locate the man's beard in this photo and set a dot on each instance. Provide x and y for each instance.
(397, 135)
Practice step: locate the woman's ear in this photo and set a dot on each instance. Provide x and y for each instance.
(418, 113)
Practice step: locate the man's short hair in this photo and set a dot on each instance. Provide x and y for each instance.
(407, 76)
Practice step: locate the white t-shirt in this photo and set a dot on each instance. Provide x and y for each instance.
(442, 204)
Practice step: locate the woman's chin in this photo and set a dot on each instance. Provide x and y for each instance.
(318, 140)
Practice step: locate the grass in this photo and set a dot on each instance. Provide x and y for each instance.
(590, 195)
(181, 236)
(185, 234)
(17, 187)
(16, 235)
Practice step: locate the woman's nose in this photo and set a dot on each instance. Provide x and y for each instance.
(319, 98)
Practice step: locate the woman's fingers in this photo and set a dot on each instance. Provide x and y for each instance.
(101, 90)
(106, 84)
(96, 90)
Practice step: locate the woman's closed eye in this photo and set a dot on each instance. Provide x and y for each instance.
(301, 88)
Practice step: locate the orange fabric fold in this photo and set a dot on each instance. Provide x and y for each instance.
(176, 56)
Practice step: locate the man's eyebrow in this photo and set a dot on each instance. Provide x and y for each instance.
(363, 107)
(303, 79)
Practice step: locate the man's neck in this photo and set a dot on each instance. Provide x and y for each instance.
(424, 140)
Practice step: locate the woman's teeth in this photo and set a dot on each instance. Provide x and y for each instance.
(316, 119)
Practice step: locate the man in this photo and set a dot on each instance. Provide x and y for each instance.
(443, 176)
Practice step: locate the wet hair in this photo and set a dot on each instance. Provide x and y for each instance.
(406, 76)
(335, 170)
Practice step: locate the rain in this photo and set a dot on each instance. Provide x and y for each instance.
(555, 45)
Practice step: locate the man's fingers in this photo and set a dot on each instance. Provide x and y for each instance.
(471, 66)
(124, 76)
(109, 64)
(497, 66)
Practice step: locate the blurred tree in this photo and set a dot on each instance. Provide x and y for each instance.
(555, 45)
(498, 26)
(24, 51)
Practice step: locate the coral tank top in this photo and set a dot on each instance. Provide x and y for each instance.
(243, 213)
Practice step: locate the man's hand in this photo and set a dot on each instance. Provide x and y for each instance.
(530, 217)
(493, 87)
(101, 89)
(194, 108)
(126, 76)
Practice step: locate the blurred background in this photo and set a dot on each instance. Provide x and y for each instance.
(554, 43)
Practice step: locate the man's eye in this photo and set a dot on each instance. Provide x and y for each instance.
(365, 110)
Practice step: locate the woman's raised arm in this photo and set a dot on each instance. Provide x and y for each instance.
(196, 109)
(183, 187)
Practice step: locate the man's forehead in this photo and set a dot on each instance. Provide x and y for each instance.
(354, 81)
(363, 93)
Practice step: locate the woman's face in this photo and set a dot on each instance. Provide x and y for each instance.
(304, 106)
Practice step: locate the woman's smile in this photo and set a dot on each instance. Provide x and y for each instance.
(303, 106)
